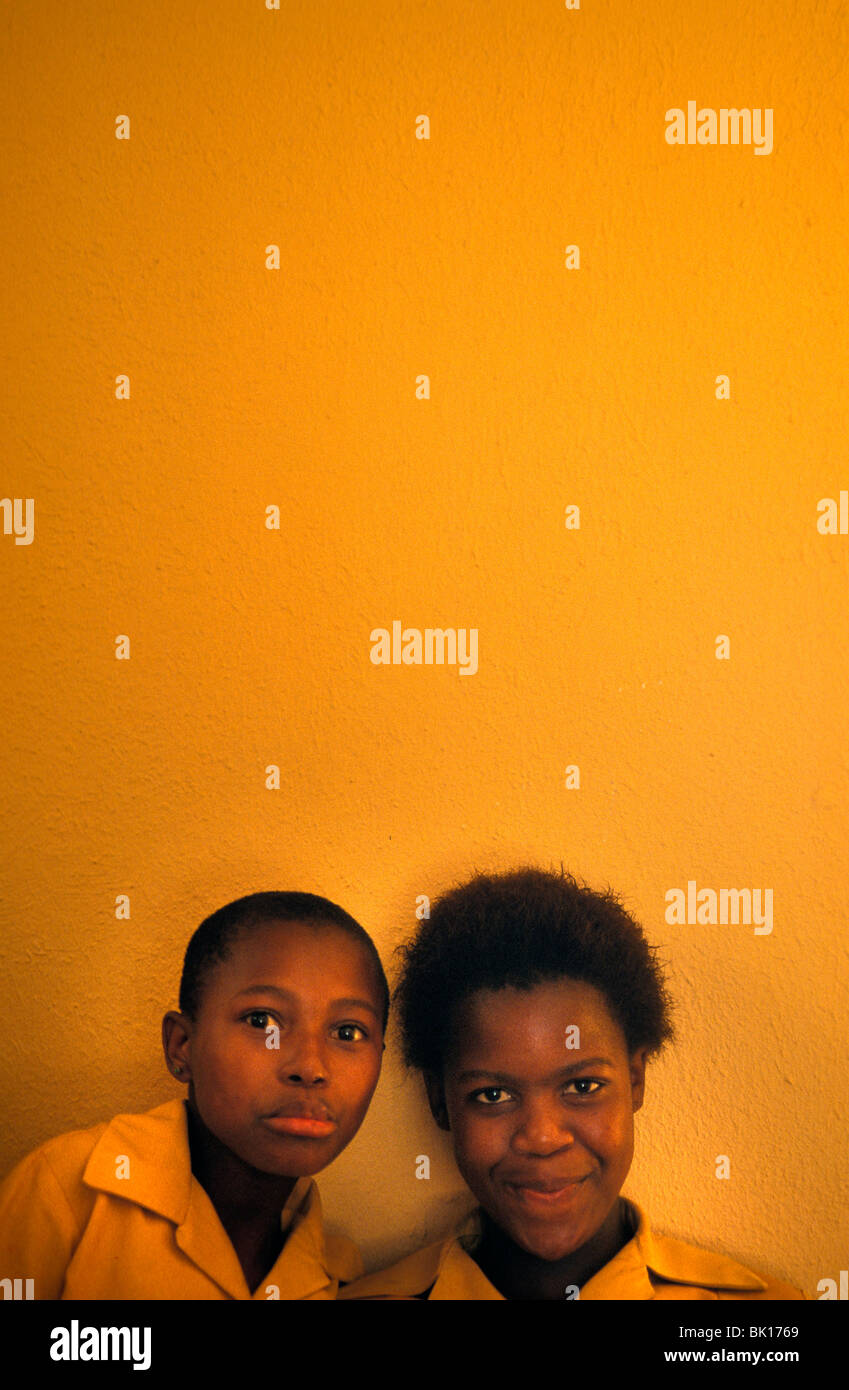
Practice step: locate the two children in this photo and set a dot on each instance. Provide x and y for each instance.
(530, 1004)
(279, 1037)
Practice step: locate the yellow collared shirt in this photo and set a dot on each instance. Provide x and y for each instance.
(114, 1212)
(648, 1267)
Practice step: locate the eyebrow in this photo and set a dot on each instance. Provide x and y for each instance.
(561, 1071)
(290, 998)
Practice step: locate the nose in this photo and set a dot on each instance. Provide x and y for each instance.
(543, 1127)
(303, 1060)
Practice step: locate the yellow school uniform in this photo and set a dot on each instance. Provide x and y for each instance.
(114, 1212)
(648, 1267)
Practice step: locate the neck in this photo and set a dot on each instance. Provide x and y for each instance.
(519, 1275)
(243, 1196)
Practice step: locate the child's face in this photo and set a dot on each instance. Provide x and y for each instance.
(287, 1110)
(543, 1134)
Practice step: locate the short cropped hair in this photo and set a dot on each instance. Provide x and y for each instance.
(519, 929)
(215, 937)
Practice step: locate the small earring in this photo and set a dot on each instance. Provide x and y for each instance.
(178, 1071)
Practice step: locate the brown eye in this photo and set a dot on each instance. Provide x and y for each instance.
(489, 1095)
(347, 1028)
(586, 1081)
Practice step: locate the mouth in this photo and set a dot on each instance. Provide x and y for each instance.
(539, 1195)
(301, 1120)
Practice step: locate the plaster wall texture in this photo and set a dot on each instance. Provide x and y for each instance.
(295, 387)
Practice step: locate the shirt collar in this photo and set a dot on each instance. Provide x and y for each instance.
(680, 1263)
(146, 1159)
(634, 1273)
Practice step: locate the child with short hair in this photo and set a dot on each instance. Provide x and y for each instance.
(532, 1004)
(279, 1037)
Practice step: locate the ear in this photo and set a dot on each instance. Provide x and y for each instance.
(436, 1096)
(637, 1069)
(176, 1043)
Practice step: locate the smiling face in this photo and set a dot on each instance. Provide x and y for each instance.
(286, 1109)
(543, 1134)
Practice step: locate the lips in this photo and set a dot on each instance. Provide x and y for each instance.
(303, 1110)
(544, 1185)
(539, 1194)
(302, 1120)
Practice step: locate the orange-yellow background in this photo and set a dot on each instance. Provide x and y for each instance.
(297, 387)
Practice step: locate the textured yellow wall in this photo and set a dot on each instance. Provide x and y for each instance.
(595, 387)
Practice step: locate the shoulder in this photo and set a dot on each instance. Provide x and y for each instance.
(64, 1160)
(339, 1254)
(675, 1266)
(342, 1257)
(410, 1277)
(60, 1160)
(443, 1270)
(45, 1207)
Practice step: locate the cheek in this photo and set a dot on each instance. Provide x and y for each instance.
(226, 1064)
(479, 1141)
(610, 1135)
(355, 1080)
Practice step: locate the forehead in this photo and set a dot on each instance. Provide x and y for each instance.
(302, 957)
(508, 1027)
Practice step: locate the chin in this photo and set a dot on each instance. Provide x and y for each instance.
(548, 1245)
(293, 1167)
